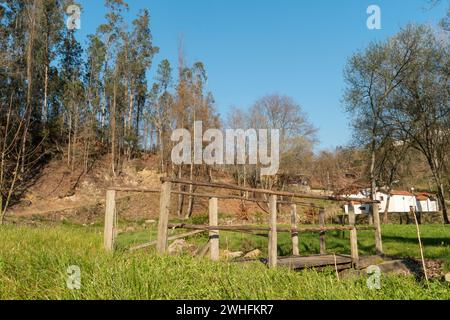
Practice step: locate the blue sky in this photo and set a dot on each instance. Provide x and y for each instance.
(256, 47)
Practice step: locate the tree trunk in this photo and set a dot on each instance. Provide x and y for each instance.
(386, 210)
(180, 196)
(86, 157)
(69, 148)
(434, 166)
(130, 121)
(145, 142)
(30, 47)
(113, 130)
(191, 190)
(2, 214)
(74, 142)
(442, 203)
(103, 107)
(44, 106)
(373, 184)
(11, 190)
(161, 148)
(151, 138)
(138, 120)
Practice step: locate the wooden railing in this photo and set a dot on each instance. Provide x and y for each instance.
(214, 229)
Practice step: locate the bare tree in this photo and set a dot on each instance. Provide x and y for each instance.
(391, 155)
(371, 78)
(297, 134)
(421, 110)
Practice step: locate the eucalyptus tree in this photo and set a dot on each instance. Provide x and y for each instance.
(96, 55)
(52, 26)
(28, 45)
(139, 52)
(73, 92)
(112, 35)
(161, 107)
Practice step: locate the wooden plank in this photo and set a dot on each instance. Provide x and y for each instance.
(294, 234)
(252, 228)
(273, 235)
(219, 196)
(172, 238)
(213, 234)
(323, 247)
(315, 261)
(209, 195)
(134, 189)
(247, 199)
(164, 207)
(265, 191)
(110, 213)
(377, 225)
(300, 204)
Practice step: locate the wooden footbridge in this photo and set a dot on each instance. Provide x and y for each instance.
(272, 198)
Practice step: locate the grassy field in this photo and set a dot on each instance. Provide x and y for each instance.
(34, 262)
(398, 240)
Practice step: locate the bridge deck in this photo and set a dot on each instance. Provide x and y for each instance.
(316, 261)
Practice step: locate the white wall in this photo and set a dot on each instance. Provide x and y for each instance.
(358, 208)
(397, 204)
(427, 206)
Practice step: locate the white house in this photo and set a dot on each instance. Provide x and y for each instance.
(399, 202)
(358, 207)
(426, 202)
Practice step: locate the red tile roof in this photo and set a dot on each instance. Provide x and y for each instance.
(401, 193)
(422, 196)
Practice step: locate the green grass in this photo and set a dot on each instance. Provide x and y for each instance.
(33, 264)
(398, 241)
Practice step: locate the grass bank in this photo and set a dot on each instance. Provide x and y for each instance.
(34, 262)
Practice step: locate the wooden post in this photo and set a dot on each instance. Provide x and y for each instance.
(353, 235)
(351, 215)
(164, 207)
(213, 234)
(110, 214)
(323, 247)
(294, 234)
(413, 211)
(377, 224)
(273, 231)
(354, 246)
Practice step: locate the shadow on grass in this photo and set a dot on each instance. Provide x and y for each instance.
(437, 242)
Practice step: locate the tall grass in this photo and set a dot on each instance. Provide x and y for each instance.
(398, 240)
(33, 264)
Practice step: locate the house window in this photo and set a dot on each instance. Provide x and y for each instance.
(381, 198)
